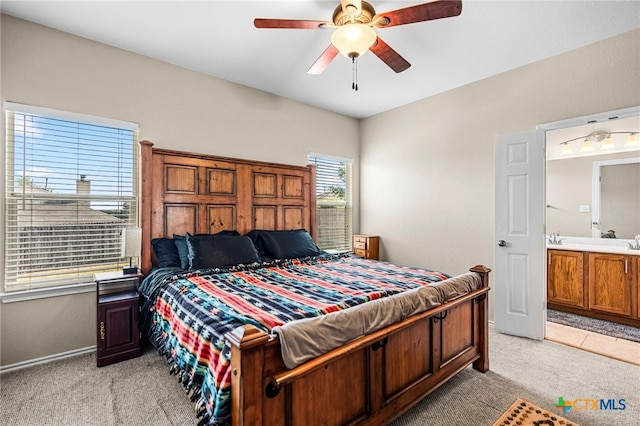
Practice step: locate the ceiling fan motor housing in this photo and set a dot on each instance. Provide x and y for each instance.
(342, 17)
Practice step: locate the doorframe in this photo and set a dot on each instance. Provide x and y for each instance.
(573, 122)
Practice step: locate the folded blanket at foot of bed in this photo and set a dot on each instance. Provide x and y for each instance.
(308, 338)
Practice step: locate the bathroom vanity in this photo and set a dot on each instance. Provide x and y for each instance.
(593, 202)
(596, 281)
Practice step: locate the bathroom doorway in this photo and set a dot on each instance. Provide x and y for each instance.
(574, 211)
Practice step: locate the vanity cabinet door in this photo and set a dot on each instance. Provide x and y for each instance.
(611, 280)
(565, 277)
(636, 288)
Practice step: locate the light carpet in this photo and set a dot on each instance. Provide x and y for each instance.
(140, 391)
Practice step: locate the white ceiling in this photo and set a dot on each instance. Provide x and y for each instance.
(218, 38)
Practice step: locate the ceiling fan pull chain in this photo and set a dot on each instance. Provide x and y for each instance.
(354, 72)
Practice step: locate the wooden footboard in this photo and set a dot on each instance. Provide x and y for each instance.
(370, 380)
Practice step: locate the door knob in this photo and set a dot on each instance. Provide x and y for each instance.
(502, 243)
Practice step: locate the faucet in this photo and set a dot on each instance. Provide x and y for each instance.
(637, 246)
(553, 238)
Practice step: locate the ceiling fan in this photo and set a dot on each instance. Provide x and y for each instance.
(353, 21)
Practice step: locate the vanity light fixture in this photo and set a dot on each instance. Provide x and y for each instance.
(632, 140)
(586, 145)
(599, 137)
(608, 142)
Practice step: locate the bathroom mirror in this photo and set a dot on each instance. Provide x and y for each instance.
(616, 196)
(590, 193)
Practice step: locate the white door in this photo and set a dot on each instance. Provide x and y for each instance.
(520, 269)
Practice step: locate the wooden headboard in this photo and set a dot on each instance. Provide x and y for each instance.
(204, 194)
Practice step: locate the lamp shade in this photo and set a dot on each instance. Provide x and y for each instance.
(632, 140)
(131, 242)
(608, 143)
(566, 148)
(586, 146)
(353, 40)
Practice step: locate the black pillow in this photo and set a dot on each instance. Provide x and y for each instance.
(183, 249)
(256, 237)
(217, 251)
(230, 233)
(166, 252)
(285, 244)
(183, 252)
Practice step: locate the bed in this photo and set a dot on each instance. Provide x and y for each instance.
(288, 366)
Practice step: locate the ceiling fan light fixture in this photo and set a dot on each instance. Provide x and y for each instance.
(354, 34)
(353, 40)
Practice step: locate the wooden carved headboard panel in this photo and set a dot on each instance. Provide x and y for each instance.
(204, 194)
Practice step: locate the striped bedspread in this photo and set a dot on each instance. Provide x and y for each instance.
(190, 313)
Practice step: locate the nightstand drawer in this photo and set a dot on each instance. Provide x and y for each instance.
(360, 252)
(359, 245)
(359, 239)
(117, 282)
(119, 286)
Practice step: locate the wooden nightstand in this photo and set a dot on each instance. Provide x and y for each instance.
(118, 336)
(366, 246)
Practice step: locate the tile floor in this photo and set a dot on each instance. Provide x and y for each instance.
(623, 350)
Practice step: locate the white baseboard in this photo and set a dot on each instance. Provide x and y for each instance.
(46, 359)
(63, 355)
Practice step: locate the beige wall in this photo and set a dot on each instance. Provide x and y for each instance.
(427, 169)
(175, 108)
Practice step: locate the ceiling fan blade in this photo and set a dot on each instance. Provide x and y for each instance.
(389, 56)
(288, 23)
(324, 60)
(419, 13)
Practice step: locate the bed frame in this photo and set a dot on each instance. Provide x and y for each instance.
(371, 380)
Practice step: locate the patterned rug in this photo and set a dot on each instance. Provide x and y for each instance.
(613, 329)
(524, 413)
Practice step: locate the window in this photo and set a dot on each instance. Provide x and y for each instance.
(334, 202)
(71, 187)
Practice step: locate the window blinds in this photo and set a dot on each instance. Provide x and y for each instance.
(71, 187)
(333, 202)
